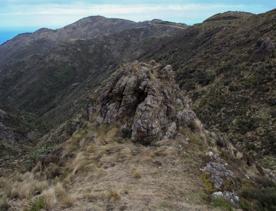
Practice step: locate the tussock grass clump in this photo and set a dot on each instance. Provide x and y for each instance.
(136, 174)
(5, 187)
(79, 162)
(27, 187)
(49, 197)
(57, 196)
(37, 194)
(113, 196)
(64, 199)
(106, 195)
(194, 137)
(73, 144)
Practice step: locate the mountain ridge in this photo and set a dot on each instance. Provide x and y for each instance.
(92, 114)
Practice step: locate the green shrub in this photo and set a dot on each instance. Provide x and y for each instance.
(245, 124)
(207, 183)
(4, 203)
(222, 204)
(40, 152)
(259, 198)
(38, 204)
(37, 154)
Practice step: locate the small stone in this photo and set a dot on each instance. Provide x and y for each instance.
(210, 154)
(171, 132)
(217, 194)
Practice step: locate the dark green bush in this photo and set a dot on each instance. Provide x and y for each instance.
(259, 198)
(222, 204)
(38, 204)
(4, 203)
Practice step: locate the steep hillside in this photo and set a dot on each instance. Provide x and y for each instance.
(16, 134)
(228, 67)
(44, 74)
(84, 29)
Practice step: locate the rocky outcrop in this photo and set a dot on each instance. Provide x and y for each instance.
(223, 179)
(264, 48)
(218, 172)
(146, 100)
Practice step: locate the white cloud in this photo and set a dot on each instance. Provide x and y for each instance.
(56, 15)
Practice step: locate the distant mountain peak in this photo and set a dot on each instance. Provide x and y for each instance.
(167, 23)
(43, 30)
(229, 15)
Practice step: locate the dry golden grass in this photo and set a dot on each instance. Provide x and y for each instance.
(102, 170)
(64, 199)
(49, 197)
(27, 187)
(79, 162)
(56, 196)
(113, 196)
(136, 173)
(108, 194)
(29, 192)
(5, 186)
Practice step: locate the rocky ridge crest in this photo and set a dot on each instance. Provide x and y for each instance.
(146, 100)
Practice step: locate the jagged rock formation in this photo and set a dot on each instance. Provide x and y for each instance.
(146, 100)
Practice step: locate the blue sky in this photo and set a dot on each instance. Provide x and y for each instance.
(18, 16)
